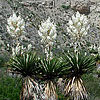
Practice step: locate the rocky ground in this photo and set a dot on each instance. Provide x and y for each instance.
(60, 11)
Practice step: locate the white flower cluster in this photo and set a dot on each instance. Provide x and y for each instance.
(19, 49)
(78, 26)
(47, 31)
(99, 51)
(15, 25)
(48, 52)
(92, 47)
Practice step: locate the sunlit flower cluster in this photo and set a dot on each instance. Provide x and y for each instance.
(48, 52)
(99, 51)
(19, 49)
(92, 47)
(15, 25)
(78, 26)
(47, 31)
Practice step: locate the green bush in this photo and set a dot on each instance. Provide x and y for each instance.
(92, 84)
(66, 7)
(3, 59)
(9, 88)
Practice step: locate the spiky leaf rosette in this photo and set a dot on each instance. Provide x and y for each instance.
(50, 70)
(27, 64)
(79, 64)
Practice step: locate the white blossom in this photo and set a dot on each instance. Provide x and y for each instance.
(18, 49)
(15, 25)
(99, 50)
(29, 46)
(47, 31)
(78, 26)
(93, 47)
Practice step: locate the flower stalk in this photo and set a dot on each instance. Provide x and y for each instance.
(47, 32)
(78, 28)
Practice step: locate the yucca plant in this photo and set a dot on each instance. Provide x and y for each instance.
(79, 64)
(50, 71)
(27, 64)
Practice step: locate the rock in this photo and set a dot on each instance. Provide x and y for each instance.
(83, 8)
(36, 11)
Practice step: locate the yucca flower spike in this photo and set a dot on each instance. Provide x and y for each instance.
(47, 31)
(16, 25)
(78, 26)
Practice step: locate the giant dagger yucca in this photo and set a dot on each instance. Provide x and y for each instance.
(51, 70)
(79, 64)
(27, 64)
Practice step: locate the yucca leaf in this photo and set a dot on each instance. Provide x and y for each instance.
(26, 64)
(79, 63)
(52, 68)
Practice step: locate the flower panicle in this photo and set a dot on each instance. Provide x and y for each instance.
(48, 34)
(16, 25)
(78, 26)
(47, 31)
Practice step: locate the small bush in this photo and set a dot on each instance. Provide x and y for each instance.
(9, 88)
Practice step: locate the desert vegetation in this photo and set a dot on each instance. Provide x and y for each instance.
(49, 51)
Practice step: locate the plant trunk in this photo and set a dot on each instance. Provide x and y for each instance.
(76, 89)
(50, 91)
(31, 90)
